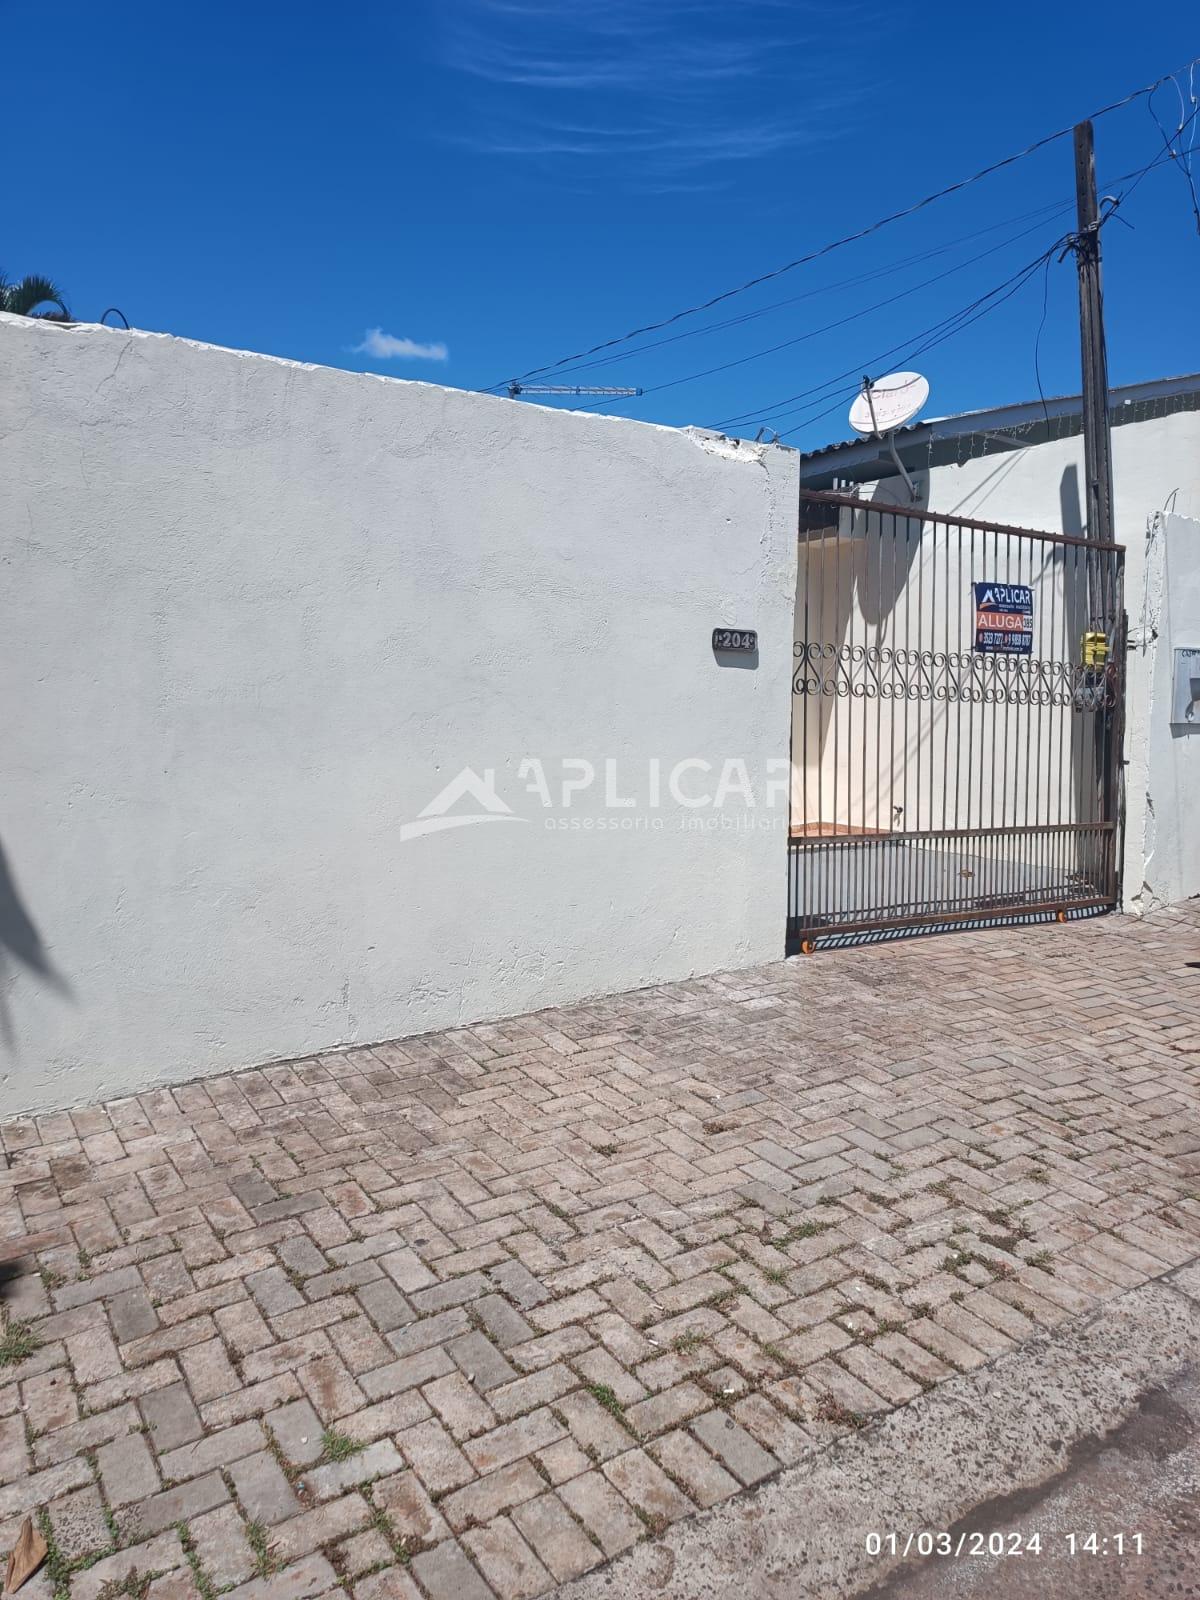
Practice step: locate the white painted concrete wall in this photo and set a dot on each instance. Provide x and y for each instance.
(1164, 819)
(255, 615)
(1156, 468)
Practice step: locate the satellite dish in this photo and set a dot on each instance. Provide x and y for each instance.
(888, 403)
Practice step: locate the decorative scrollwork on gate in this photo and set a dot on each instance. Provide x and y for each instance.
(886, 672)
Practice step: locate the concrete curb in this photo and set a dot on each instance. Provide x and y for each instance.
(1006, 1427)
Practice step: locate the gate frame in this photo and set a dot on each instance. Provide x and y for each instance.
(1111, 776)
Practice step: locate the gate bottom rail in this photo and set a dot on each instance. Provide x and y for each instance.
(862, 883)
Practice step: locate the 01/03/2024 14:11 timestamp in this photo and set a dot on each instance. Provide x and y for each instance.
(978, 1543)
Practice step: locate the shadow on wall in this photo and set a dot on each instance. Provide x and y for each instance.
(21, 944)
(852, 590)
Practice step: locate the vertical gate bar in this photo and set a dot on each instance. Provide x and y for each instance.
(837, 662)
(806, 748)
(921, 724)
(1055, 718)
(964, 679)
(1064, 676)
(950, 683)
(895, 593)
(1008, 693)
(1039, 678)
(866, 673)
(905, 812)
(974, 659)
(1024, 745)
(819, 708)
(879, 670)
(849, 855)
(995, 718)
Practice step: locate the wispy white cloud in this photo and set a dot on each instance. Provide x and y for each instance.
(669, 90)
(387, 347)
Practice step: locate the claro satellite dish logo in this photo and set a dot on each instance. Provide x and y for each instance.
(435, 819)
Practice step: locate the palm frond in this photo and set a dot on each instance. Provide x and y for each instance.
(25, 295)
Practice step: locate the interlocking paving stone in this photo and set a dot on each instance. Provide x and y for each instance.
(172, 1506)
(171, 1417)
(437, 1460)
(691, 1465)
(446, 1574)
(155, 1555)
(335, 1477)
(487, 1497)
(733, 1446)
(589, 1269)
(312, 1576)
(602, 1511)
(213, 1450)
(222, 1547)
(127, 1470)
(79, 1524)
(560, 1543)
(506, 1561)
(393, 1584)
(262, 1488)
(412, 1513)
(297, 1431)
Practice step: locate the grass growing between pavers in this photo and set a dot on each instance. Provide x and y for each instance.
(17, 1343)
(605, 1396)
(832, 1410)
(204, 1584)
(265, 1560)
(338, 1446)
(133, 1586)
(684, 1343)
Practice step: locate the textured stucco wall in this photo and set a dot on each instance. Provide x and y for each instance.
(255, 615)
(1156, 467)
(1167, 841)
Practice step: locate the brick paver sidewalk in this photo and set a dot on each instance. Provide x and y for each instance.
(473, 1312)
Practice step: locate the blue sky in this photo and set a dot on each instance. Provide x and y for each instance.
(494, 184)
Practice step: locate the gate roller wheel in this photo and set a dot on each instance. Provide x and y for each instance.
(807, 947)
(1062, 916)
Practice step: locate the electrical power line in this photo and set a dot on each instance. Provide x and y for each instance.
(851, 238)
(1181, 157)
(841, 322)
(914, 344)
(1043, 212)
(1040, 212)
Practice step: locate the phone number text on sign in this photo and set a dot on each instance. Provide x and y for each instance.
(1004, 618)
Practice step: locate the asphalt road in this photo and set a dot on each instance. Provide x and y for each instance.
(1143, 1479)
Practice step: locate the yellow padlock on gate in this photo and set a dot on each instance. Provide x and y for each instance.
(1094, 650)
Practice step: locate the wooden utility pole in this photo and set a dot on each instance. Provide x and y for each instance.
(1097, 459)
(1097, 440)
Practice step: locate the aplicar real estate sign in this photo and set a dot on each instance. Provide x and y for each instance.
(1004, 618)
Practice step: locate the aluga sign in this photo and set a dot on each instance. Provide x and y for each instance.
(1004, 618)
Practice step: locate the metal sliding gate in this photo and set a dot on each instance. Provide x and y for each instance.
(957, 718)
